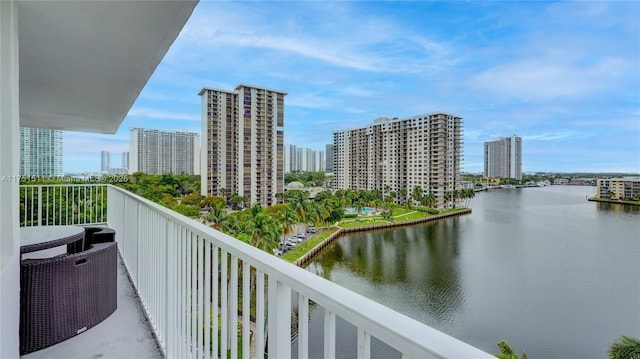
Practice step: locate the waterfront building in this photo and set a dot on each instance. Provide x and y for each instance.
(618, 188)
(423, 150)
(243, 143)
(105, 161)
(159, 152)
(40, 152)
(503, 158)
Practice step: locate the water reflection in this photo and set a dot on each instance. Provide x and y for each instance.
(616, 207)
(421, 259)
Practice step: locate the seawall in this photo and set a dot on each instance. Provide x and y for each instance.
(313, 252)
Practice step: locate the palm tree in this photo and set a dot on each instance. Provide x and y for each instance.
(625, 347)
(299, 201)
(324, 212)
(403, 195)
(235, 200)
(264, 232)
(288, 219)
(506, 352)
(217, 215)
(469, 193)
(416, 194)
(430, 199)
(223, 193)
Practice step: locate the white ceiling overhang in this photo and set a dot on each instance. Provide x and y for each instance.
(83, 63)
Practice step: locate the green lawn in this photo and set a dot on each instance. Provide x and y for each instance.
(401, 214)
(363, 222)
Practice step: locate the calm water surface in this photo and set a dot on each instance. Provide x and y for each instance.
(551, 273)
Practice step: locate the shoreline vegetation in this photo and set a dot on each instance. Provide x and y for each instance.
(312, 247)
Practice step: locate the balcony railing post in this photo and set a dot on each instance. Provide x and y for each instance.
(39, 205)
(279, 320)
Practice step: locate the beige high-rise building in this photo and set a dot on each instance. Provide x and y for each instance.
(243, 143)
(423, 150)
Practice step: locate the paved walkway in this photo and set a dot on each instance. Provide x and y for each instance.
(125, 334)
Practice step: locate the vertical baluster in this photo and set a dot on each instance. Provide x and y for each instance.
(279, 320)
(260, 322)
(207, 299)
(84, 209)
(60, 206)
(233, 308)
(224, 310)
(246, 309)
(47, 207)
(201, 308)
(303, 326)
(170, 308)
(184, 297)
(67, 205)
(39, 208)
(364, 344)
(329, 334)
(193, 294)
(215, 296)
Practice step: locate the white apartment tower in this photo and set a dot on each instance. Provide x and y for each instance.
(503, 158)
(159, 152)
(423, 150)
(105, 161)
(302, 159)
(125, 160)
(40, 152)
(243, 143)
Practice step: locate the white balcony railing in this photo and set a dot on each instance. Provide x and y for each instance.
(54, 204)
(198, 287)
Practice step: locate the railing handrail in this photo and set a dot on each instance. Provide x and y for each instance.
(415, 338)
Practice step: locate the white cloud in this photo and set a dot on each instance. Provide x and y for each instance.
(534, 79)
(557, 136)
(369, 44)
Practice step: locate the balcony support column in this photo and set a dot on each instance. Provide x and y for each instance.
(9, 179)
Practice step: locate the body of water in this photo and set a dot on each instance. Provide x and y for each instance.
(542, 268)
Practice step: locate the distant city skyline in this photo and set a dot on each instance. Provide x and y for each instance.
(562, 75)
(155, 151)
(303, 159)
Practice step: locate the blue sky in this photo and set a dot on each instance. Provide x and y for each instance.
(565, 76)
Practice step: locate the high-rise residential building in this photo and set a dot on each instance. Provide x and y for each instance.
(503, 158)
(40, 152)
(125, 160)
(329, 163)
(243, 143)
(302, 159)
(159, 152)
(105, 161)
(398, 155)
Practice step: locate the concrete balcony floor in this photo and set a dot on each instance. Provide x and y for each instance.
(125, 334)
